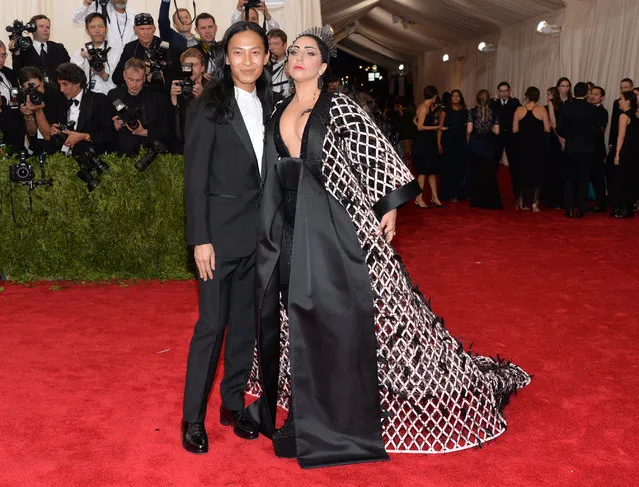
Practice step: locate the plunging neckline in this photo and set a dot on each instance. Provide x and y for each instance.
(280, 146)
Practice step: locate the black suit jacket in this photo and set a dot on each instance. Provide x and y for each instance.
(95, 119)
(11, 119)
(505, 113)
(55, 111)
(602, 123)
(222, 183)
(136, 50)
(56, 55)
(578, 124)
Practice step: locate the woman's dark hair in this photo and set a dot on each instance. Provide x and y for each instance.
(325, 54)
(532, 94)
(219, 94)
(556, 100)
(631, 96)
(483, 97)
(430, 92)
(462, 102)
(561, 80)
(445, 99)
(29, 72)
(72, 73)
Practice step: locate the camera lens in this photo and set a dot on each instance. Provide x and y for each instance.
(22, 172)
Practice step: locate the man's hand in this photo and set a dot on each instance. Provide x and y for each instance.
(12, 47)
(118, 123)
(197, 90)
(263, 8)
(141, 131)
(175, 89)
(241, 3)
(34, 108)
(84, 53)
(73, 137)
(387, 226)
(55, 129)
(25, 111)
(204, 260)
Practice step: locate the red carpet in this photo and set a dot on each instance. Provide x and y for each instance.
(92, 375)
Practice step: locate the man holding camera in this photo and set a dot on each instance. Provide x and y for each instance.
(148, 48)
(97, 59)
(206, 28)
(181, 37)
(41, 105)
(252, 8)
(119, 20)
(277, 40)
(139, 115)
(11, 123)
(86, 120)
(184, 91)
(43, 53)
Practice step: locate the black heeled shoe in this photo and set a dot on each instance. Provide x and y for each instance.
(284, 439)
(435, 205)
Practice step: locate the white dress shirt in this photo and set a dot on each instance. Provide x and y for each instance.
(37, 45)
(120, 25)
(251, 110)
(238, 15)
(5, 87)
(95, 82)
(73, 115)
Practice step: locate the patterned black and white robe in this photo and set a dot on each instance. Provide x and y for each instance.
(372, 368)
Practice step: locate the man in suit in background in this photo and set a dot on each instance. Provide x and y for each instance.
(44, 54)
(598, 176)
(89, 113)
(207, 29)
(504, 107)
(579, 124)
(223, 177)
(11, 121)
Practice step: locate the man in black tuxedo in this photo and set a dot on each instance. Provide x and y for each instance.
(38, 117)
(89, 112)
(43, 54)
(150, 109)
(504, 107)
(146, 48)
(598, 176)
(223, 178)
(11, 121)
(578, 123)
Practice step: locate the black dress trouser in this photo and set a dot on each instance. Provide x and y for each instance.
(577, 170)
(226, 303)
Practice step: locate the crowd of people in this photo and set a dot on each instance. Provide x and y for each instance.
(555, 152)
(126, 88)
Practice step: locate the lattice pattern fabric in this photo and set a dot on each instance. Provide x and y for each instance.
(435, 396)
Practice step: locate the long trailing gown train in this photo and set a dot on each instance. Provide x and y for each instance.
(343, 333)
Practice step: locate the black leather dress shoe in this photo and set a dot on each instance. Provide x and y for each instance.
(242, 424)
(568, 214)
(194, 438)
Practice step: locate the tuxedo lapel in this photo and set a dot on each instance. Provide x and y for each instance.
(240, 128)
(85, 110)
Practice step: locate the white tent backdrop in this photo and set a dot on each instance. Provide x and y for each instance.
(293, 15)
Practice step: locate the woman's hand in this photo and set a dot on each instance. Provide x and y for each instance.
(616, 161)
(387, 226)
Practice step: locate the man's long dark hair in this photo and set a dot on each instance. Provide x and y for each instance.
(219, 94)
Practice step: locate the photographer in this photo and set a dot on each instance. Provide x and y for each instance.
(91, 58)
(253, 14)
(11, 122)
(42, 105)
(119, 20)
(184, 91)
(181, 38)
(146, 117)
(148, 48)
(43, 53)
(207, 29)
(277, 48)
(87, 119)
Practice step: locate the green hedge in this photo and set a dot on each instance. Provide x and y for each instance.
(132, 226)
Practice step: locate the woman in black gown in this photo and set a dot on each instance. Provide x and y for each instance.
(425, 157)
(345, 342)
(552, 187)
(482, 128)
(626, 163)
(531, 123)
(453, 148)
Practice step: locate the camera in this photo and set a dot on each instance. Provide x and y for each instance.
(32, 93)
(127, 114)
(154, 149)
(17, 30)
(187, 83)
(59, 139)
(252, 4)
(15, 98)
(156, 56)
(21, 172)
(91, 166)
(97, 57)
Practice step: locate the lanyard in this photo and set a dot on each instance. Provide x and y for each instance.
(117, 22)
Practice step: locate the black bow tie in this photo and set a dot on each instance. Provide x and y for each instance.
(74, 102)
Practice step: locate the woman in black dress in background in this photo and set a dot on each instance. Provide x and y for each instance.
(532, 123)
(552, 188)
(626, 162)
(481, 129)
(425, 147)
(453, 148)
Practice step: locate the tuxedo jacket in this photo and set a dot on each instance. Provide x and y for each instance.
(11, 120)
(95, 119)
(602, 123)
(136, 50)
(505, 113)
(222, 183)
(578, 124)
(56, 55)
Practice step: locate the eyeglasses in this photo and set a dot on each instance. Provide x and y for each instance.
(3, 54)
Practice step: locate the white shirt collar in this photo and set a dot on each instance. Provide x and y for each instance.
(78, 97)
(240, 93)
(37, 45)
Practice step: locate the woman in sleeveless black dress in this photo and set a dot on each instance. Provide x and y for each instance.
(625, 171)
(531, 124)
(453, 148)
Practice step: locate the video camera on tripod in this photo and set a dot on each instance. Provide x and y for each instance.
(17, 30)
